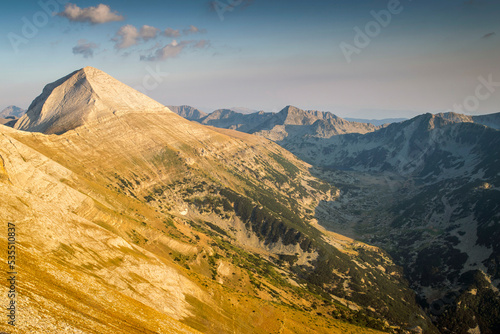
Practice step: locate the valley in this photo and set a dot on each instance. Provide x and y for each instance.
(425, 191)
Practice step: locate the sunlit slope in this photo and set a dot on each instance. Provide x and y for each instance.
(211, 228)
(102, 261)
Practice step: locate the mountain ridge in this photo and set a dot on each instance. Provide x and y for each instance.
(490, 120)
(426, 190)
(289, 124)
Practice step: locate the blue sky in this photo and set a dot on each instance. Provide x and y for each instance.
(419, 56)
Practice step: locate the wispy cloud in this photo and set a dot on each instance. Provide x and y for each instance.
(174, 49)
(154, 47)
(129, 35)
(171, 50)
(488, 35)
(93, 15)
(85, 48)
(193, 30)
(201, 44)
(172, 33)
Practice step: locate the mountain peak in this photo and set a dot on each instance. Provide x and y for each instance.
(11, 111)
(291, 110)
(188, 112)
(90, 69)
(455, 117)
(295, 116)
(84, 96)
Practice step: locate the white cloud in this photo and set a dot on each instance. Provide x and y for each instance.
(169, 32)
(193, 30)
(129, 35)
(171, 50)
(148, 32)
(174, 49)
(84, 48)
(94, 15)
(126, 37)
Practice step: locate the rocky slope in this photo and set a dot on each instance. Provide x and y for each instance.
(428, 145)
(427, 191)
(134, 220)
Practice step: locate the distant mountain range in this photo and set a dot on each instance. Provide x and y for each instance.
(425, 189)
(194, 114)
(239, 118)
(243, 110)
(289, 125)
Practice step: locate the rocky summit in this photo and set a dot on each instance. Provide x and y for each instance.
(84, 96)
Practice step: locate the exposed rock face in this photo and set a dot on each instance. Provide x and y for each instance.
(427, 145)
(85, 96)
(9, 121)
(292, 124)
